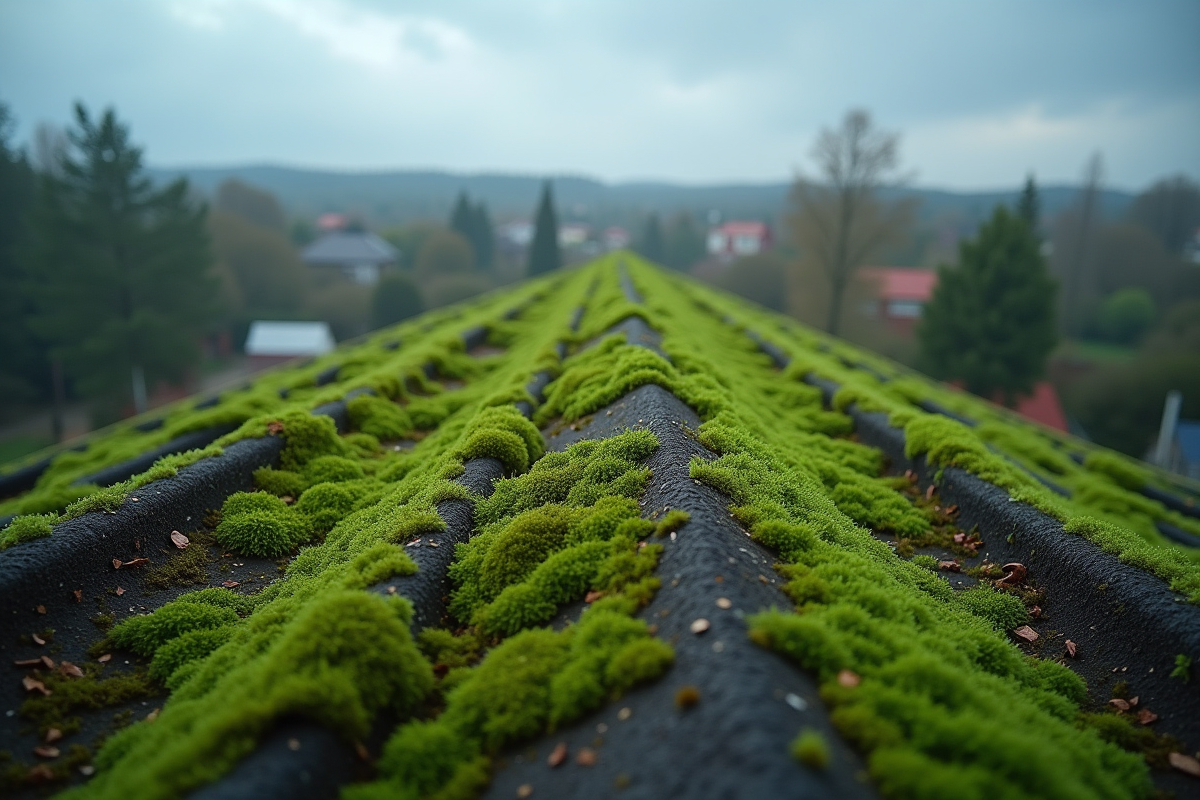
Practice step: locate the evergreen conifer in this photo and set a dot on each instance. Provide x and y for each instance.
(991, 322)
(119, 268)
(652, 244)
(544, 253)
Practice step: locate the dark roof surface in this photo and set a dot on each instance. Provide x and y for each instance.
(349, 247)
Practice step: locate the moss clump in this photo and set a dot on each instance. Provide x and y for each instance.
(674, 520)
(144, 635)
(260, 524)
(332, 469)
(279, 482)
(27, 528)
(523, 687)
(810, 749)
(68, 696)
(1005, 611)
(185, 568)
(379, 417)
(337, 659)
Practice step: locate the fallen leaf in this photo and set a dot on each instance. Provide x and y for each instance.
(78, 595)
(1133, 701)
(1185, 764)
(275, 427)
(104, 659)
(724, 602)
(37, 639)
(1118, 703)
(39, 773)
(1072, 648)
(28, 662)
(294, 744)
(137, 562)
(391, 590)
(46, 752)
(53, 735)
(1014, 574)
(180, 540)
(118, 591)
(1036, 612)
(230, 584)
(47, 661)
(558, 755)
(70, 670)
(848, 678)
(586, 757)
(41, 609)
(700, 625)
(625, 713)
(87, 770)
(1027, 633)
(34, 685)
(952, 510)
(525, 790)
(929, 492)
(593, 596)
(153, 715)
(1146, 716)
(288, 499)
(116, 563)
(950, 566)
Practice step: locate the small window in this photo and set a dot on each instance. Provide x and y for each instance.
(904, 309)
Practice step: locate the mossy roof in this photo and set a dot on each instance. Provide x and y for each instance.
(940, 701)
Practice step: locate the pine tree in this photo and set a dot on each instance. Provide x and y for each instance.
(651, 244)
(991, 322)
(1028, 206)
(544, 253)
(482, 238)
(121, 269)
(462, 218)
(24, 372)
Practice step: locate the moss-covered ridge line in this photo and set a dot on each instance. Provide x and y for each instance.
(369, 361)
(364, 548)
(806, 493)
(734, 741)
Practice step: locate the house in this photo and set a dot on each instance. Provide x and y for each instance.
(573, 234)
(271, 343)
(738, 238)
(615, 238)
(358, 255)
(898, 294)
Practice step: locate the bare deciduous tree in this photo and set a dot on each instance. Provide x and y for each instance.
(839, 221)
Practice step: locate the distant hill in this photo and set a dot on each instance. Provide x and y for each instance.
(401, 196)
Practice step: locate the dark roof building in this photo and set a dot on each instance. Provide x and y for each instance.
(359, 255)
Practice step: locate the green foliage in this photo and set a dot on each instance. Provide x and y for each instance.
(395, 298)
(1183, 668)
(144, 635)
(544, 255)
(1125, 316)
(991, 320)
(119, 269)
(473, 223)
(810, 749)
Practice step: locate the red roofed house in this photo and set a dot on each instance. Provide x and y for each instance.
(736, 239)
(900, 294)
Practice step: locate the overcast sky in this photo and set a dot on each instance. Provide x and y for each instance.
(690, 91)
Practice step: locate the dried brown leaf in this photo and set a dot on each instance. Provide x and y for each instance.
(70, 670)
(28, 662)
(593, 596)
(41, 609)
(180, 540)
(275, 427)
(949, 566)
(1072, 648)
(558, 755)
(34, 685)
(1027, 633)
(1185, 764)
(1147, 717)
(47, 661)
(137, 562)
(118, 591)
(104, 659)
(116, 562)
(53, 735)
(586, 757)
(700, 625)
(1119, 704)
(230, 584)
(78, 595)
(46, 752)
(37, 639)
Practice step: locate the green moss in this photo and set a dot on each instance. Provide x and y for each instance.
(144, 635)
(674, 520)
(810, 749)
(27, 528)
(186, 567)
(259, 524)
(1183, 668)
(1005, 611)
(279, 482)
(69, 696)
(379, 417)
